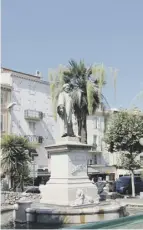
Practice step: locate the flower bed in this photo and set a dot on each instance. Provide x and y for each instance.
(10, 198)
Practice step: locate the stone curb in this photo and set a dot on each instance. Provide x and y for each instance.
(72, 211)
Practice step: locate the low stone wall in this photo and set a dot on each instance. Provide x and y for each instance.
(10, 198)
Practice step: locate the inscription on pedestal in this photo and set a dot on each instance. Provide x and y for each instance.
(78, 168)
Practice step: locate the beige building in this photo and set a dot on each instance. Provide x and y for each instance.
(6, 89)
(104, 163)
(26, 111)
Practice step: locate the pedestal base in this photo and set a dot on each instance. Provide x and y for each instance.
(69, 183)
(65, 192)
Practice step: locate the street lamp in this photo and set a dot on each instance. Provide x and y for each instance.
(33, 155)
(10, 105)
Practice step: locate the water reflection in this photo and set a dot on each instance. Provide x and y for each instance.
(12, 225)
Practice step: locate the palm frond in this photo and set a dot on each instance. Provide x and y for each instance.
(14, 153)
(90, 96)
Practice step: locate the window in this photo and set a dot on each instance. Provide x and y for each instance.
(137, 179)
(95, 123)
(94, 140)
(4, 97)
(99, 123)
(2, 123)
(32, 126)
(100, 142)
(95, 159)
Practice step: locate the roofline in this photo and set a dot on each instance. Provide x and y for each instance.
(11, 70)
(36, 78)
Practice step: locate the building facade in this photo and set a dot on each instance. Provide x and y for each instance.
(103, 162)
(6, 89)
(27, 112)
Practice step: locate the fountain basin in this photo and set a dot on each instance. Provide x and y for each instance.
(129, 222)
(75, 215)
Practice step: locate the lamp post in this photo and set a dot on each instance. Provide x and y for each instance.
(33, 155)
(33, 168)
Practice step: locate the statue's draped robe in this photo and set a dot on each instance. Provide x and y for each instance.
(65, 122)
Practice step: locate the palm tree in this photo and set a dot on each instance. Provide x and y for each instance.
(87, 85)
(15, 158)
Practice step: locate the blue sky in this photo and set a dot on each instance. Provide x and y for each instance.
(41, 34)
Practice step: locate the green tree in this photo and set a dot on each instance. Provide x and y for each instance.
(123, 134)
(87, 83)
(15, 158)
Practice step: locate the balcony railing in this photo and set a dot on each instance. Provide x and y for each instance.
(34, 138)
(33, 115)
(42, 172)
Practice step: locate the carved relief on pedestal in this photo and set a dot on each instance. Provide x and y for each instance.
(78, 168)
(82, 199)
(78, 164)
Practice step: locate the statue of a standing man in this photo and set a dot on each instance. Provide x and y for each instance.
(64, 110)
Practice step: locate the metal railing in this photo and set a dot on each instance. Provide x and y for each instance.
(33, 115)
(34, 138)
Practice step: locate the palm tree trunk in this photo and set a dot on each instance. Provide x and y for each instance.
(84, 131)
(79, 122)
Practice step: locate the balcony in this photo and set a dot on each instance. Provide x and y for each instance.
(43, 172)
(33, 115)
(34, 139)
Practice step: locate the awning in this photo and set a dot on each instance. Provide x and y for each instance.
(101, 169)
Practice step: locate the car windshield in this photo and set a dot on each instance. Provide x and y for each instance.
(124, 180)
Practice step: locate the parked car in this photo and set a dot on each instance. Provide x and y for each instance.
(32, 190)
(124, 186)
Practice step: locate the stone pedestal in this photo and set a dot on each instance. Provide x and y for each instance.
(20, 211)
(68, 174)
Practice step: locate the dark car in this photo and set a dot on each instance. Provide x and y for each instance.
(32, 190)
(124, 186)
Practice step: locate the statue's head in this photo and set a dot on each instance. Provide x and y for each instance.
(67, 88)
